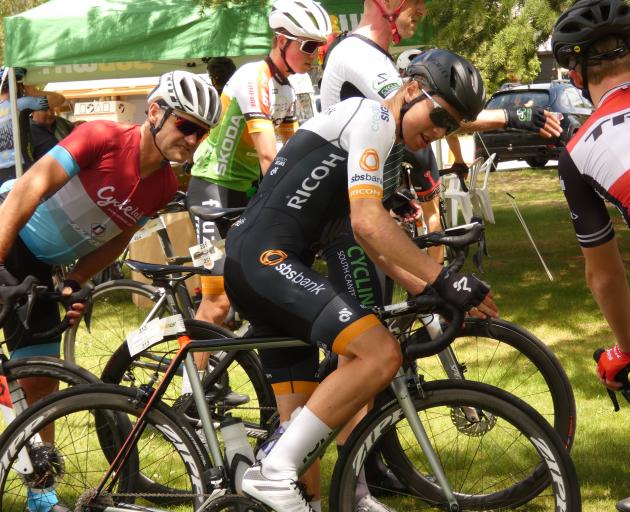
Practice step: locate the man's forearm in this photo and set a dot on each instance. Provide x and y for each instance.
(97, 260)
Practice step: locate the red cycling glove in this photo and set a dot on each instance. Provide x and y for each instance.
(611, 362)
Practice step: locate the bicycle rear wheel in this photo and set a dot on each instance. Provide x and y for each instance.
(118, 307)
(488, 460)
(89, 423)
(244, 376)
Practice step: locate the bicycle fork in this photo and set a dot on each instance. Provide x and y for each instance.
(399, 387)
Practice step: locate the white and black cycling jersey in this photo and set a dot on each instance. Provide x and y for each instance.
(357, 67)
(333, 159)
(596, 167)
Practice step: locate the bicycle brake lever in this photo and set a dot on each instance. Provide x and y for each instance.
(87, 314)
(24, 312)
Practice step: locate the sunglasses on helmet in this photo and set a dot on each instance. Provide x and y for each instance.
(187, 127)
(306, 46)
(440, 117)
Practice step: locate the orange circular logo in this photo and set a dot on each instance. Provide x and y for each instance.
(369, 160)
(273, 257)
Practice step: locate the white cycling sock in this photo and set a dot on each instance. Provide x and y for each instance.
(316, 505)
(186, 386)
(304, 435)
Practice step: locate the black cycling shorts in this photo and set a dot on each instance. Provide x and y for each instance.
(280, 294)
(425, 177)
(21, 263)
(204, 193)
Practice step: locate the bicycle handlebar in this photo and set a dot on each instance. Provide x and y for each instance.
(13, 298)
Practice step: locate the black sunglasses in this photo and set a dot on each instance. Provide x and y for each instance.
(308, 46)
(187, 127)
(441, 117)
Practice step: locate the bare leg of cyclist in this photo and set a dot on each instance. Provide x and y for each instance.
(36, 388)
(374, 359)
(213, 309)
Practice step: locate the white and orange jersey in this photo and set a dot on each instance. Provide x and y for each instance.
(254, 100)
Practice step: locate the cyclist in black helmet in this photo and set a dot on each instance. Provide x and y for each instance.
(592, 40)
(333, 166)
(220, 70)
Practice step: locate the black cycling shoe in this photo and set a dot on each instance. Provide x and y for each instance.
(624, 505)
(380, 479)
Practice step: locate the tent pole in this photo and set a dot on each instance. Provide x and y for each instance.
(15, 122)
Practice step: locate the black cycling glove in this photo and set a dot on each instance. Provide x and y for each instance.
(6, 277)
(461, 290)
(459, 168)
(531, 119)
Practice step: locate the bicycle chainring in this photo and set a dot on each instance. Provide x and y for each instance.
(471, 421)
(234, 503)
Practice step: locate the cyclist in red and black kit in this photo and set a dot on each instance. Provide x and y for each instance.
(592, 39)
(332, 167)
(83, 201)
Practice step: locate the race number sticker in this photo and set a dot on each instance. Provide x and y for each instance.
(148, 229)
(206, 253)
(153, 332)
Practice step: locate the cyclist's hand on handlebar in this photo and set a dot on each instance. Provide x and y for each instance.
(466, 292)
(74, 310)
(533, 119)
(6, 277)
(611, 362)
(459, 168)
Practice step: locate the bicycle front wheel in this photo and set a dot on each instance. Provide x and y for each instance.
(119, 307)
(488, 443)
(90, 424)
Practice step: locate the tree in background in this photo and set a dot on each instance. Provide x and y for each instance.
(500, 37)
(9, 8)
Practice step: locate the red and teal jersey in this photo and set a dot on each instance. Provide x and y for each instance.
(104, 196)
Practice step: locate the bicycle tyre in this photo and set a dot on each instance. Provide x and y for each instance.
(166, 446)
(509, 357)
(519, 436)
(117, 307)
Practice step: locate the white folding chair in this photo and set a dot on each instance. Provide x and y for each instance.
(457, 198)
(479, 195)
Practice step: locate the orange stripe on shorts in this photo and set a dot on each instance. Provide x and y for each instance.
(212, 285)
(352, 331)
(301, 387)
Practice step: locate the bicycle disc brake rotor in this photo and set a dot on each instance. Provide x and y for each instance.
(234, 503)
(48, 466)
(471, 421)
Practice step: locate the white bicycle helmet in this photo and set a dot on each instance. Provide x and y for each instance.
(300, 18)
(189, 93)
(405, 58)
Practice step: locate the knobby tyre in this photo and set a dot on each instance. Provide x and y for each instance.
(89, 422)
(119, 307)
(486, 460)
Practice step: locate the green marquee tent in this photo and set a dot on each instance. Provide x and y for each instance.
(69, 40)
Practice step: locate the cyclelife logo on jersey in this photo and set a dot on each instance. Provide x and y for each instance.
(105, 196)
(313, 180)
(227, 144)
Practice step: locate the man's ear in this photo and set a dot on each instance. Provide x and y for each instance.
(154, 113)
(576, 78)
(412, 88)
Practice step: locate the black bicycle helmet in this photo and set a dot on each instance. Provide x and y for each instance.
(220, 69)
(452, 77)
(585, 22)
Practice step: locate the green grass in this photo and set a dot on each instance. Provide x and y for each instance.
(560, 312)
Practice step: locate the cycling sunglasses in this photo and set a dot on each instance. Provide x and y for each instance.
(187, 127)
(440, 117)
(308, 46)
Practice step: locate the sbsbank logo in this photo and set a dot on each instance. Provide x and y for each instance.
(312, 181)
(298, 278)
(366, 177)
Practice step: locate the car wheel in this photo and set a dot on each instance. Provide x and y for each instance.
(537, 162)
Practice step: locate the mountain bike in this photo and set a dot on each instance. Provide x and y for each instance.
(467, 445)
